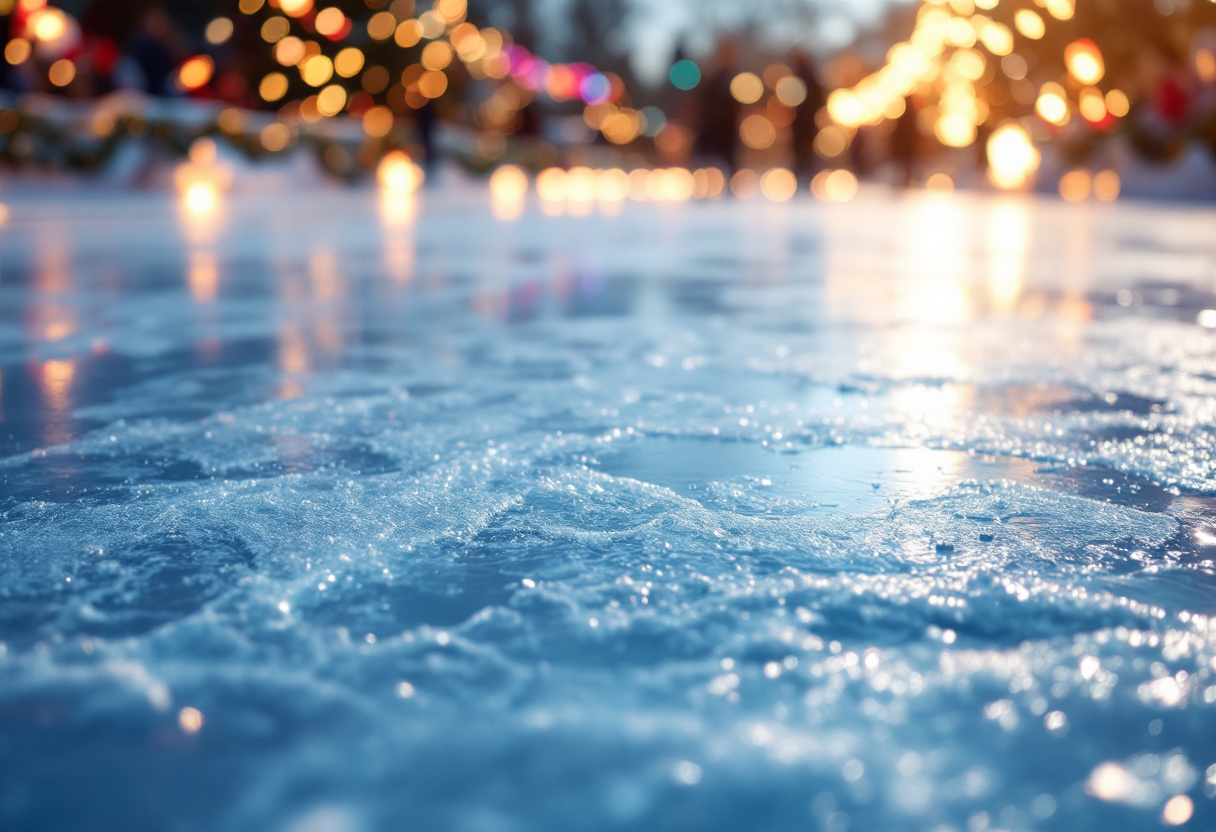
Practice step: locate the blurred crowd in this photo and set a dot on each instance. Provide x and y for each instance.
(742, 105)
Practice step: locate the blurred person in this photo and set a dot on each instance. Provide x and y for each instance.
(805, 128)
(424, 123)
(718, 120)
(104, 26)
(905, 143)
(154, 48)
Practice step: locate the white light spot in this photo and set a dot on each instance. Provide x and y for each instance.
(1111, 782)
(1177, 811)
(853, 770)
(190, 720)
(686, 773)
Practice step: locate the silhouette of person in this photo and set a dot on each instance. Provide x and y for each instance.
(805, 129)
(152, 47)
(718, 122)
(905, 141)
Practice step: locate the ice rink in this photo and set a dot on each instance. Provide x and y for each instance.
(332, 511)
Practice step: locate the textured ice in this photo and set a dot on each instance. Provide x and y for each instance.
(328, 516)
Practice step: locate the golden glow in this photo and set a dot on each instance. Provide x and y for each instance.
(190, 720)
(747, 88)
(48, 25)
(1052, 104)
(399, 174)
(330, 22)
(1205, 65)
(295, 8)
(452, 11)
(1008, 248)
(940, 182)
(745, 184)
(670, 185)
(845, 108)
(508, 184)
(1060, 9)
(778, 185)
(1107, 186)
(580, 184)
(348, 62)
(378, 122)
(317, 70)
(408, 33)
(1117, 103)
(62, 72)
(997, 38)
(200, 183)
(275, 137)
(17, 51)
(612, 186)
(289, 51)
(201, 198)
(1013, 159)
(219, 30)
(331, 100)
(835, 186)
(57, 378)
(1092, 105)
(196, 72)
(203, 276)
(955, 129)
(551, 185)
(432, 84)
(273, 87)
(791, 91)
(251, 6)
(832, 141)
(621, 127)
(757, 132)
(1029, 24)
(436, 55)
(275, 29)
(381, 26)
(1084, 61)
(1076, 185)
(708, 183)
(432, 23)
(1178, 810)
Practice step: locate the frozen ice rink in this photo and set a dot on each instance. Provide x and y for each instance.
(328, 512)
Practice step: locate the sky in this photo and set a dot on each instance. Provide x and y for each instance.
(664, 22)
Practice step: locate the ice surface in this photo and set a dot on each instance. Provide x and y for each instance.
(329, 515)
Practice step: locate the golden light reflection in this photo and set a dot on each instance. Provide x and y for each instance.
(203, 276)
(293, 363)
(397, 213)
(508, 190)
(1007, 251)
(201, 183)
(399, 174)
(56, 379)
(1013, 159)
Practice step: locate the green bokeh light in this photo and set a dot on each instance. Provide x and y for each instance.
(685, 75)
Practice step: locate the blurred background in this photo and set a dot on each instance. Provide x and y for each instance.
(618, 99)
